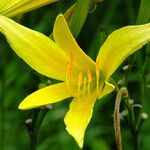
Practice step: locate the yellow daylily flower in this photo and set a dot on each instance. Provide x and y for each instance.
(82, 78)
(11, 8)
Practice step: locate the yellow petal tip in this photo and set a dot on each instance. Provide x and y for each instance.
(23, 106)
(79, 140)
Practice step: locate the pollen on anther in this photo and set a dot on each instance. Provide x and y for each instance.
(89, 80)
(89, 76)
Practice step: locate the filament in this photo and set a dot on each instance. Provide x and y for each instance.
(80, 82)
(84, 85)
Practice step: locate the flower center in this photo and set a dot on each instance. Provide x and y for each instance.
(83, 81)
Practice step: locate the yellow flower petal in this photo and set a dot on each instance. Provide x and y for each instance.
(37, 50)
(66, 41)
(108, 88)
(48, 95)
(119, 45)
(11, 8)
(79, 116)
(7, 5)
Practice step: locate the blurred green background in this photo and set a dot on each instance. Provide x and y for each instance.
(17, 80)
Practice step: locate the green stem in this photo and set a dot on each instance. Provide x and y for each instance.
(132, 125)
(135, 139)
(32, 130)
(34, 126)
(41, 117)
(33, 141)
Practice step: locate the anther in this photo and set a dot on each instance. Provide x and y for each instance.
(68, 70)
(89, 80)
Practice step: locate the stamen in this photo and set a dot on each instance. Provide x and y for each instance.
(68, 70)
(97, 75)
(84, 85)
(89, 80)
(80, 81)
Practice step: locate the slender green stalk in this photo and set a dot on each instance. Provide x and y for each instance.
(34, 124)
(41, 117)
(143, 116)
(33, 141)
(132, 124)
(31, 126)
(135, 139)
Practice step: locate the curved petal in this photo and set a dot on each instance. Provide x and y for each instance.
(66, 41)
(79, 116)
(48, 95)
(108, 88)
(11, 8)
(119, 45)
(37, 50)
(7, 5)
